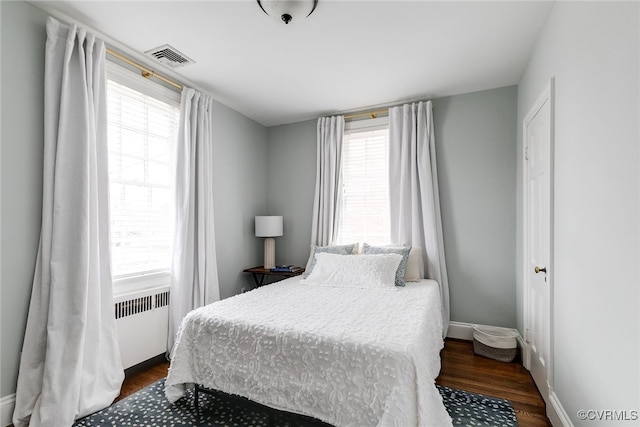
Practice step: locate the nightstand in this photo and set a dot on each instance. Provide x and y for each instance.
(259, 273)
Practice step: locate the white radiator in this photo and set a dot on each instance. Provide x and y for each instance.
(142, 320)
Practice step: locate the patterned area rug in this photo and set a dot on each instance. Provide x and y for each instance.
(470, 409)
(149, 407)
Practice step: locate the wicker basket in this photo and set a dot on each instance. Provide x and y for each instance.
(495, 343)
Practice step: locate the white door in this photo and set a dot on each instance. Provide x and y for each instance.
(537, 128)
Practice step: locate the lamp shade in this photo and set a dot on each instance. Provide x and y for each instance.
(268, 226)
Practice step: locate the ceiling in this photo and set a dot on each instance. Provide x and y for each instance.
(346, 56)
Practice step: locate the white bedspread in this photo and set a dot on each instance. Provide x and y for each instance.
(347, 356)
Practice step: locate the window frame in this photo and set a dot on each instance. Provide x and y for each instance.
(124, 284)
(354, 127)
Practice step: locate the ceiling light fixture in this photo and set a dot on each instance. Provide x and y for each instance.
(288, 10)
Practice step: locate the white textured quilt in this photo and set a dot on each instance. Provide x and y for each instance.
(347, 356)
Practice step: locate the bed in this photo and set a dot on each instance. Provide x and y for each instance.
(347, 355)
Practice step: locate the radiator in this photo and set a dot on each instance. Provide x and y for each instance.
(142, 320)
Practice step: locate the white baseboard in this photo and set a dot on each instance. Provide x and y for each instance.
(460, 331)
(556, 413)
(7, 403)
(524, 352)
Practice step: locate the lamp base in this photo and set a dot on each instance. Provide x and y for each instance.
(269, 253)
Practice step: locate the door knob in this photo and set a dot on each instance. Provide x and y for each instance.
(540, 269)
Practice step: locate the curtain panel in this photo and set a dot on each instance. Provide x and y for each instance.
(194, 273)
(413, 191)
(326, 202)
(70, 364)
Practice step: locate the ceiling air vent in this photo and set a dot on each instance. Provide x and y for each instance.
(170, 56)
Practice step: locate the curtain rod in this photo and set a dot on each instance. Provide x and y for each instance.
(146, 72)
(372, 114)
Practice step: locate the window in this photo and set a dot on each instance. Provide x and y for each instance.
(142, 132)
(364, 204)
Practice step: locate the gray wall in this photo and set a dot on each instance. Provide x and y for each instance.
(291, 181)
(240, 181)
(22, 37)
(476, 154)
(476, 150)
(596, 240)
(240, 193)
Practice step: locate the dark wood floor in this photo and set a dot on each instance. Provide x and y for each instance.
(142, 375)
(461, 369)
(464, 370)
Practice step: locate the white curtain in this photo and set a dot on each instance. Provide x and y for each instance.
(415, 202)
(194, 273)
(328, 163)
(70, 364)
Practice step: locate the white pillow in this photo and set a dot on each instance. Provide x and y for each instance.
(360, 271)
(400, 250)
(333, 249)
(414, 271)
(415, 265)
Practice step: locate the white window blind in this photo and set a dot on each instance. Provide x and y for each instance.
(142, 130)
(364, 209)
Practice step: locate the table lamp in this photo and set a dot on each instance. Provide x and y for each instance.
(269, 227)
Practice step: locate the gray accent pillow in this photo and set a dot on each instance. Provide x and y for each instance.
(338, 250)
(401, 250)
